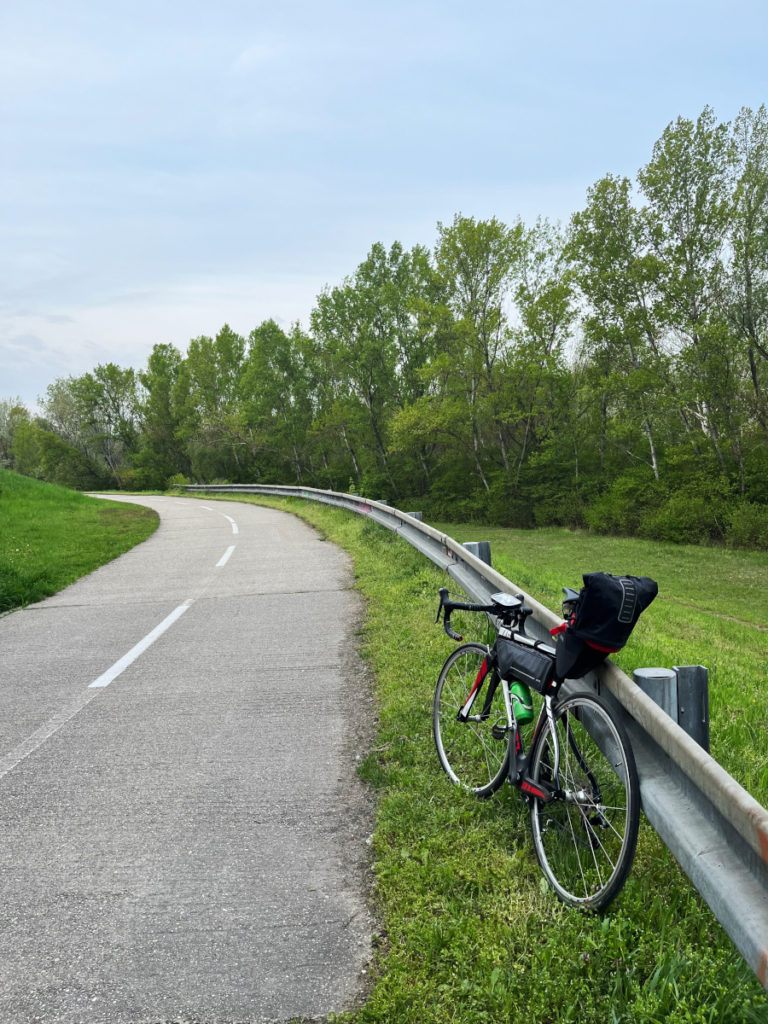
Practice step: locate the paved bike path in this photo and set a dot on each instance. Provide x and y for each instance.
(185, 841)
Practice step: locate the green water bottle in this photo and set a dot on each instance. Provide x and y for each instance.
(522, 702)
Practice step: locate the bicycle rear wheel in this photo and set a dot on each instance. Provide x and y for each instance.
(585, 840)
(473, 753)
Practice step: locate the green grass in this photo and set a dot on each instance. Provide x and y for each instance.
(470, 934)
(50, 536)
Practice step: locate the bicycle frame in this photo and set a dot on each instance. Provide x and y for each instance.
(518, 766)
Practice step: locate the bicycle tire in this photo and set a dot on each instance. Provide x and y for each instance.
(471, 755)
(585, 843)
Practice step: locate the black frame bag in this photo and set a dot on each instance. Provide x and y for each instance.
(524, 664)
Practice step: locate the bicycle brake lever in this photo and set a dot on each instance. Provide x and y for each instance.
(447, 616)
(443, 592)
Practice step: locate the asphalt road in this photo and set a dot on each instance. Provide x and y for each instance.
(182, 832)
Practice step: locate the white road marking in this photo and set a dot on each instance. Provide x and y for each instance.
(225, 557)
(9, 761)
(22, 750)
(127, 659)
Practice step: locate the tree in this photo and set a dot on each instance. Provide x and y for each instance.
(12, 413)
(161, 453)
(687, 186)
(276, 391)
(373, 338)
(533, 367)
(97, 414)
(477, 262)
(623, 332)
(747, 287)
(206, 393)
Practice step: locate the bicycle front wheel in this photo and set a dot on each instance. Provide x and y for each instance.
(585, 837)
(474, 753)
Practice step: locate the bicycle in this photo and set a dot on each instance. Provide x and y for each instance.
(579, 776)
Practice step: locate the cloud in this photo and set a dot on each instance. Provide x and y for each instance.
(124, 328)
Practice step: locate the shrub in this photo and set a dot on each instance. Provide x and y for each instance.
(626, 505)
(748, 526)
(693, 514)
(176, 482)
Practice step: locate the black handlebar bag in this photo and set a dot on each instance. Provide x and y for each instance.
(602, 620)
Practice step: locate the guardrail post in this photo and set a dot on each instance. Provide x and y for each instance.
(683, 693)
(693, 702)
(480, 548)
(416, 515)
(660, 684)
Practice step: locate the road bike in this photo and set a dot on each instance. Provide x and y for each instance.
(578, 775)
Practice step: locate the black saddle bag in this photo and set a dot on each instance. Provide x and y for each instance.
(602, 620)
(608, 608)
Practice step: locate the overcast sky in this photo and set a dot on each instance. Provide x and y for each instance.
(168, 167)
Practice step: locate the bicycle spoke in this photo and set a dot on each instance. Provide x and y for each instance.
(600, 808)
(469, 751)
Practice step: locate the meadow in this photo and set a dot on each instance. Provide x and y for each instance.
(50, 536)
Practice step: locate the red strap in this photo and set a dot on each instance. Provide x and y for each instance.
(599, 647)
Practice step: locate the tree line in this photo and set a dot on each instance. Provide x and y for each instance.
(610, 373)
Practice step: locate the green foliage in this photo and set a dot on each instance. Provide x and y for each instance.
(627, 505)
(748, 526)
(521, 375)
(177, 482)
(695, 512)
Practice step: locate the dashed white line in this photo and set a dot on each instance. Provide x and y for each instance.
(28, 746)
(9, 761)
(232, 522)
(225, 557)
(127, 659)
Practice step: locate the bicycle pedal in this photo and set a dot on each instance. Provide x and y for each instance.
(499, 732)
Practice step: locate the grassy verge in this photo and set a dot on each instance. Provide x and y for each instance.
(470, 932)
(50, 536)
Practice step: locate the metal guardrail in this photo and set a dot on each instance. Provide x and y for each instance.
(716, 831)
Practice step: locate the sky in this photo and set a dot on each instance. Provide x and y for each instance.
(167, 167)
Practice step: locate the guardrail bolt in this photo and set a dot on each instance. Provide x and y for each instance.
(480, 548)
(683, 693)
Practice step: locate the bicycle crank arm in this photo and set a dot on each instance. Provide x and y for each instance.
(540, 790)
